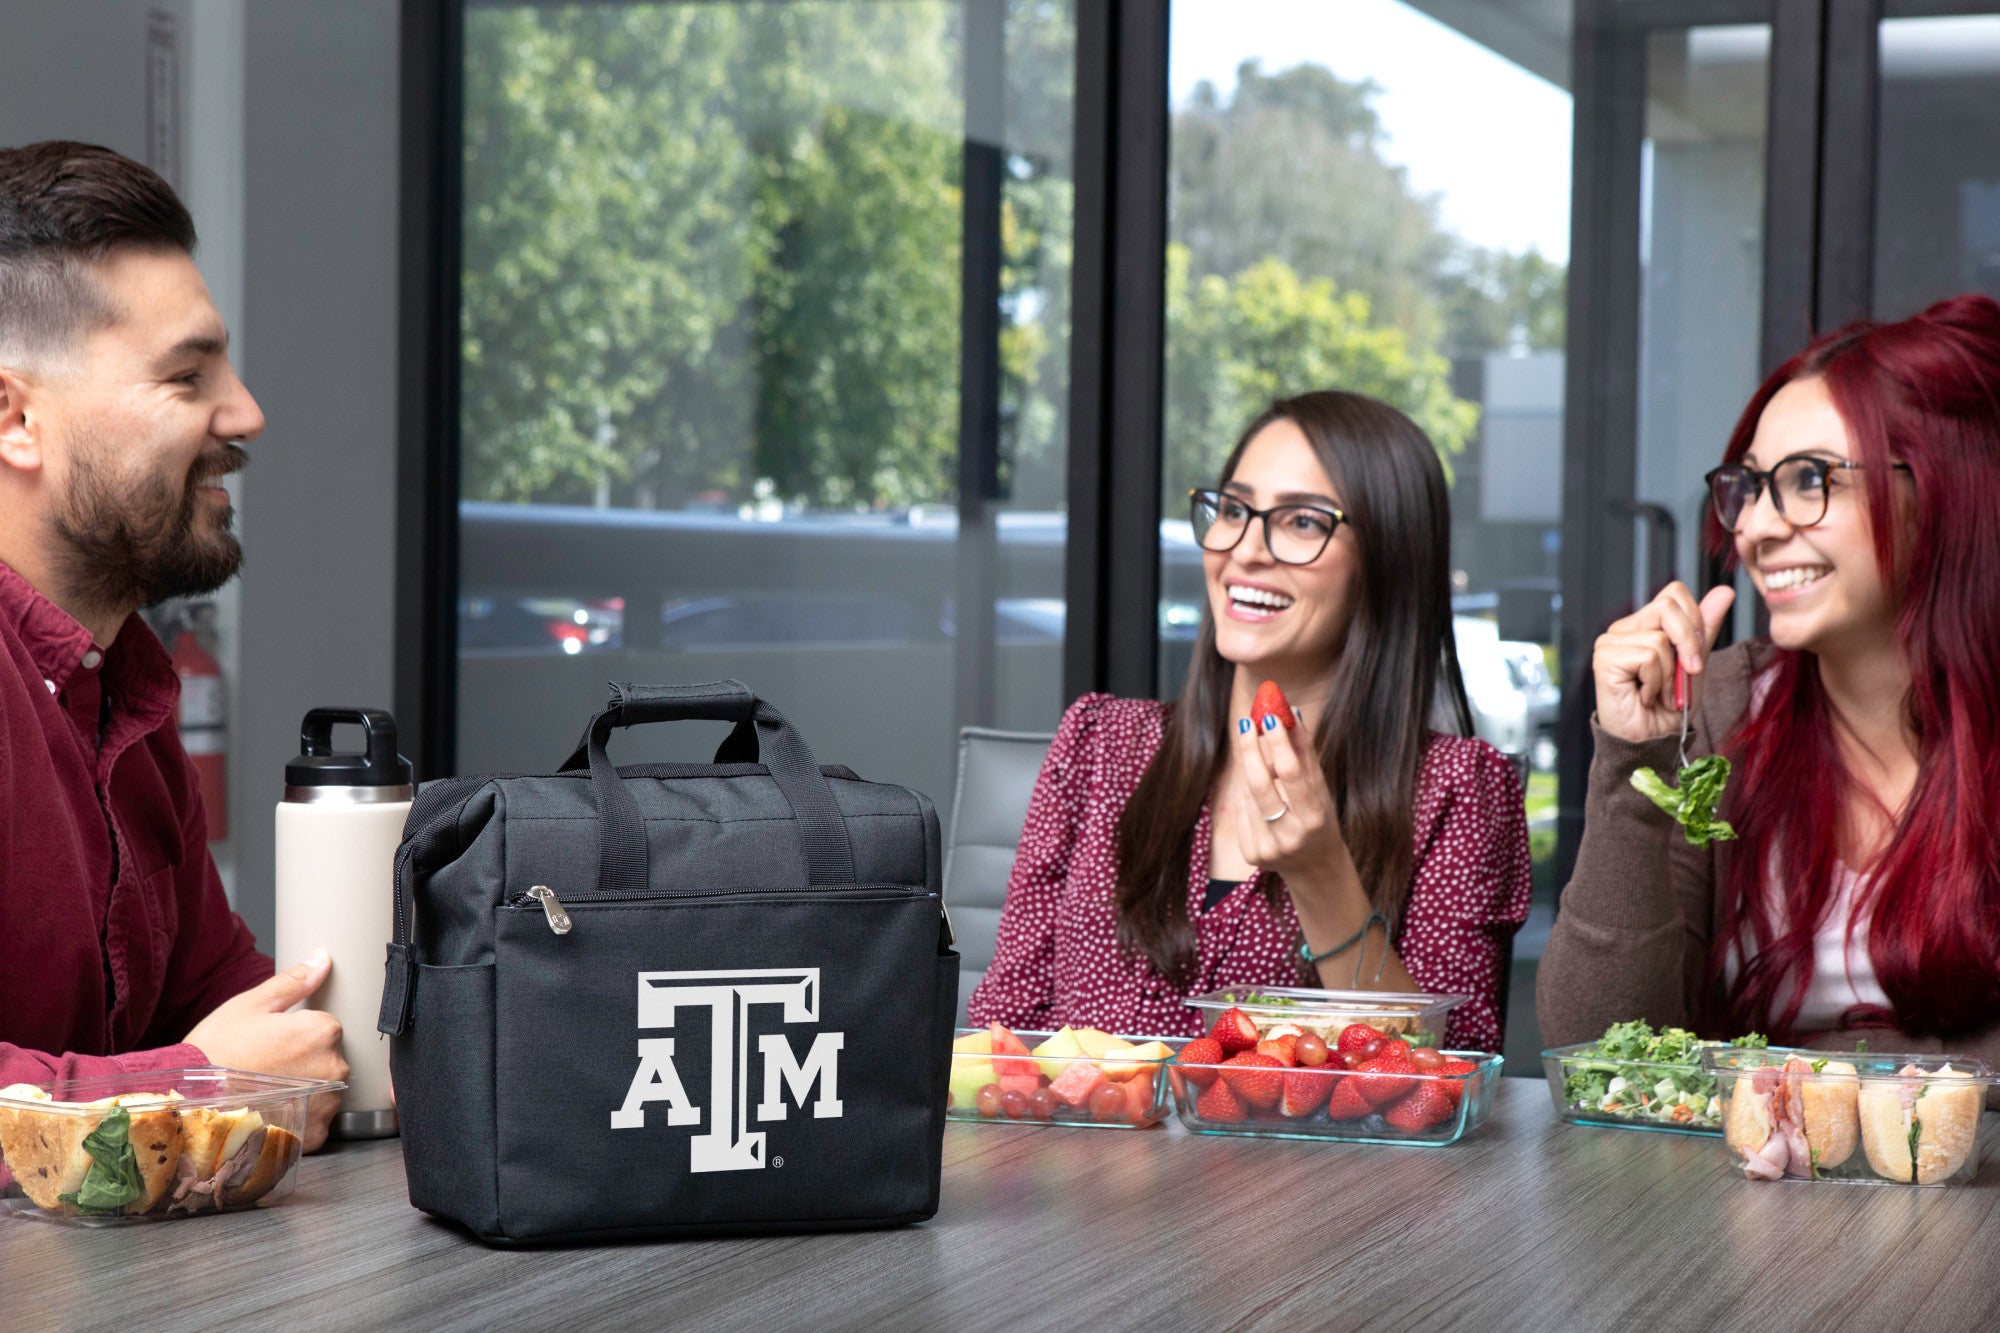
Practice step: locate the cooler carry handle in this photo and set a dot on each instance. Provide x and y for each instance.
(624, 860)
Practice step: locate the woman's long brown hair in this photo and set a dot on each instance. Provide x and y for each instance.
(1372, 725)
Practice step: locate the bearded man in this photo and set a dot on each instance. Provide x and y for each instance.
(120, 414)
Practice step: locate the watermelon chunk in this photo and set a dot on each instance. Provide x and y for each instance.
(1006, 1043)
(1140, 1091)
(1078, 1081)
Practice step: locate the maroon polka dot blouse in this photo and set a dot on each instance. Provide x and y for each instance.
(1057, 959)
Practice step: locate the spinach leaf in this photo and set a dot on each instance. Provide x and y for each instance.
(113, 1179)
(1694, 802)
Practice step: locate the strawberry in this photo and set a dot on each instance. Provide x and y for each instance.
(1429, 1105)
(1385, 1086)
(1271, 702)
(1256, 1078)
(1235, 1031)
(1451, 1078)
(1347, 1102)
(1306, 1090)
(1200, 1051)
(1398, 1051)
(1283, 1030)
(1280, 1049)
(1219, 1103)
(1354, 1036)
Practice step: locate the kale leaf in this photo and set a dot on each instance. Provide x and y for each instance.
(113, 1179)
(1693, 803)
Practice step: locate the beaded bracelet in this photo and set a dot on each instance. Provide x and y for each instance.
(1311, 959)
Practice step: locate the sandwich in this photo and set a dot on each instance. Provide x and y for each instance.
(232, 1158)
(1923, 1126)
(140, 1153)
(1795, 1119)
(120, 1159)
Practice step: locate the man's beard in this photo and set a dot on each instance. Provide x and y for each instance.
(147, 545)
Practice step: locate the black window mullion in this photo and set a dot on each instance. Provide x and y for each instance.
(1792, 181)
(1847, 156)
(1601, 381)
(1118, 342)
(427, 468)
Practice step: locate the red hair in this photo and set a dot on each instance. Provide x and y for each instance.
(1924, 392)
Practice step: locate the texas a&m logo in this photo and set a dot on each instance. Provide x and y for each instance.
(729, 1145)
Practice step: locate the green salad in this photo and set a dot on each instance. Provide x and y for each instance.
(1635, 1074)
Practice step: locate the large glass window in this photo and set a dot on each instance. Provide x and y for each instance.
(716, 393)
(1364, 197)
(1937, 173)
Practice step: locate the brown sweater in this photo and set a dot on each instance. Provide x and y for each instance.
(1637, 919)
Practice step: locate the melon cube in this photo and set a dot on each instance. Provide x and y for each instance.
(1077, 1082)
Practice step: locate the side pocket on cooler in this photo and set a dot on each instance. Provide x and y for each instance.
(443, 1067)
(944, 1014)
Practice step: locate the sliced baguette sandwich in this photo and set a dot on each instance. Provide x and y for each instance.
(51, 1155)
(1794, 1119)
(141, 1153)
(1921, 1127)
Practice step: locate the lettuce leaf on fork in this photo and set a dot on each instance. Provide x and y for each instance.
(1693, 803)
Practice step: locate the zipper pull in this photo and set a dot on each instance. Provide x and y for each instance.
(559, 922)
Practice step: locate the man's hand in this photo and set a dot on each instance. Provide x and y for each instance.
(255, 1032)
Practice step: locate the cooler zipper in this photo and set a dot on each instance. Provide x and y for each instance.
(559, 921)
(561, 924)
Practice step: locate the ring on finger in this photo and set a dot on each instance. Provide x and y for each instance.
(1283, 810)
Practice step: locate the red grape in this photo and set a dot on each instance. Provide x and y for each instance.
(1373, 1048)
(1108, 1102)
(1310, 1049)
(1426, 1058)
(1014, 1103)
(1042, 1104)
(988, 1100)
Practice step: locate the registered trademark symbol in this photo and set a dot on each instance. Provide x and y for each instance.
(777, 1161)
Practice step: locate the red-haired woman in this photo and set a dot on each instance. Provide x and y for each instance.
(1170, 850)
(1861, 491)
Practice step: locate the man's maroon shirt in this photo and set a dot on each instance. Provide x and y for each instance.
(115, 935)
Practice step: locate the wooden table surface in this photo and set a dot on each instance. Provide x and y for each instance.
(1528, 1223)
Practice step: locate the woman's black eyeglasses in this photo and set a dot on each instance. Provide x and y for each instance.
(1293, 534)
(1800, 485)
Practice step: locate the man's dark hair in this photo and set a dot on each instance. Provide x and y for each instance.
(63, 207)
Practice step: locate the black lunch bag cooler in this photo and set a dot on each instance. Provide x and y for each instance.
(671, 999)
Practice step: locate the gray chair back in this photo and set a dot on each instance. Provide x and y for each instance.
(996, 776)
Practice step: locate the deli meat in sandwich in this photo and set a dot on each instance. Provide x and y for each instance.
(1794, 1119)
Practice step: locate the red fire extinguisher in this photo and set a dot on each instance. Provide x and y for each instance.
(201, 726)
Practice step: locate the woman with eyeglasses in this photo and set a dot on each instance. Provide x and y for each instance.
(1175, 849)
(1861, 494)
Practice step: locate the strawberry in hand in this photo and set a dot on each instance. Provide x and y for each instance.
(1271, 702)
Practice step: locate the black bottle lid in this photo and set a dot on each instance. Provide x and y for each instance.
(317, 765)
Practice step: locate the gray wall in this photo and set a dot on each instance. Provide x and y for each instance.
(318, 525)
(289, 159)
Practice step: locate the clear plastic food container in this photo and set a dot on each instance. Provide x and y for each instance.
(1332, 1102)
(153, 1146)
(1417, 1018)
(1591, 1089)
(1855, 1118)
(1075, 1076)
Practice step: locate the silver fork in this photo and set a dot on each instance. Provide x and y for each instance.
(1681, 702)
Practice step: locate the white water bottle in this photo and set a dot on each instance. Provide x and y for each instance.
(338, 829)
